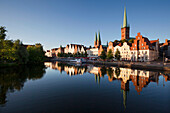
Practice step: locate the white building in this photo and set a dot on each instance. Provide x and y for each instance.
(74, 48)
(92, 52)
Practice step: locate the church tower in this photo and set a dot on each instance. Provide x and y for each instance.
(125, 29)
(97, 41)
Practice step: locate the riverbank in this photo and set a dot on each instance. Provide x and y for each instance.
(136, 65)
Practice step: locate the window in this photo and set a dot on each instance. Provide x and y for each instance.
(145, 52)
(138, 37)
(146, 58)
(135, 44)
(142, 44)
(144, 47)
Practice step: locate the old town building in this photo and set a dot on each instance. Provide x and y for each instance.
(139, 49)
(55, 51)
(165, 48)
(143, 50)
(98, 47)
(48, 53)
(74, 48)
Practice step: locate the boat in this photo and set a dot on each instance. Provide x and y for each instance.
(76, 61)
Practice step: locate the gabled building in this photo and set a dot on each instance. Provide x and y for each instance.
(55, 51)
(48, 53)
(165, 48)
(139, 49)
(74, 48)
(143, 50)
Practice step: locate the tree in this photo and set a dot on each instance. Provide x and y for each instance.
(117, 71)
(117, 54)
(103, 55)
(110, 54)
(124, 40)
(82, 54)
(116, 41)
(36, 53)
(110, 72)
(2, 32)
(85, 54)
(131, 41)
(21, 54)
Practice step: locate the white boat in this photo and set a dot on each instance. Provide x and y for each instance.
(76, 61)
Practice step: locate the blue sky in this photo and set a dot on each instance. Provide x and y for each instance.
(60, 22)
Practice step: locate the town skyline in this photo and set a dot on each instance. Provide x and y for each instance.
(80, 20)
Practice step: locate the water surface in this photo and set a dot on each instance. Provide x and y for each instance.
(63, 88)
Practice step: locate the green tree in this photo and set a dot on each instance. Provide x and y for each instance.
(117, 54)
(2, 32)
(82, 54)
(110, 72)
(131, 41)
(117, 71)
(110, 54)
(124, 40)
(116, 41)
(85, 54)
(21, 54)
(36, 53)
(103, 55)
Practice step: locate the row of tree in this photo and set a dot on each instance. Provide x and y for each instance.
(15, 52)
(72, 55)
(109, 55)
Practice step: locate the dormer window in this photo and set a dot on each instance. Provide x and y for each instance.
(138, 37)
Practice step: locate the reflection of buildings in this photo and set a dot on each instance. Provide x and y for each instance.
(140, 78)
(69, 69)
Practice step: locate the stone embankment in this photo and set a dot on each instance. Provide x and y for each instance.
(135, 65)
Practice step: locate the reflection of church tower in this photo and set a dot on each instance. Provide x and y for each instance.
(97, 78)
(124, 98)
(125, 29)
(97, 41)
(125, 86)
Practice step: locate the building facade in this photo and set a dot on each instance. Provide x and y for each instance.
(74, 48)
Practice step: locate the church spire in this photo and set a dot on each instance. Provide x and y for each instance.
(125, 19)
(98, 36)
(95, 37)
(99, 39)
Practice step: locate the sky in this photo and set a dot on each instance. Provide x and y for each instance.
(60, 22)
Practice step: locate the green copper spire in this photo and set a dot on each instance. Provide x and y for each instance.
(95, 37)
(99, 37)
(125, 19)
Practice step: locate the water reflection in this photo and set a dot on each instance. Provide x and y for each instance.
(140, 78)
(13, 79)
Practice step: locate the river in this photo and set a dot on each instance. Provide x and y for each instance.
(63, 88)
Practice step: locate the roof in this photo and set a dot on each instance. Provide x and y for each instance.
(54, 49)
(153, 41)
